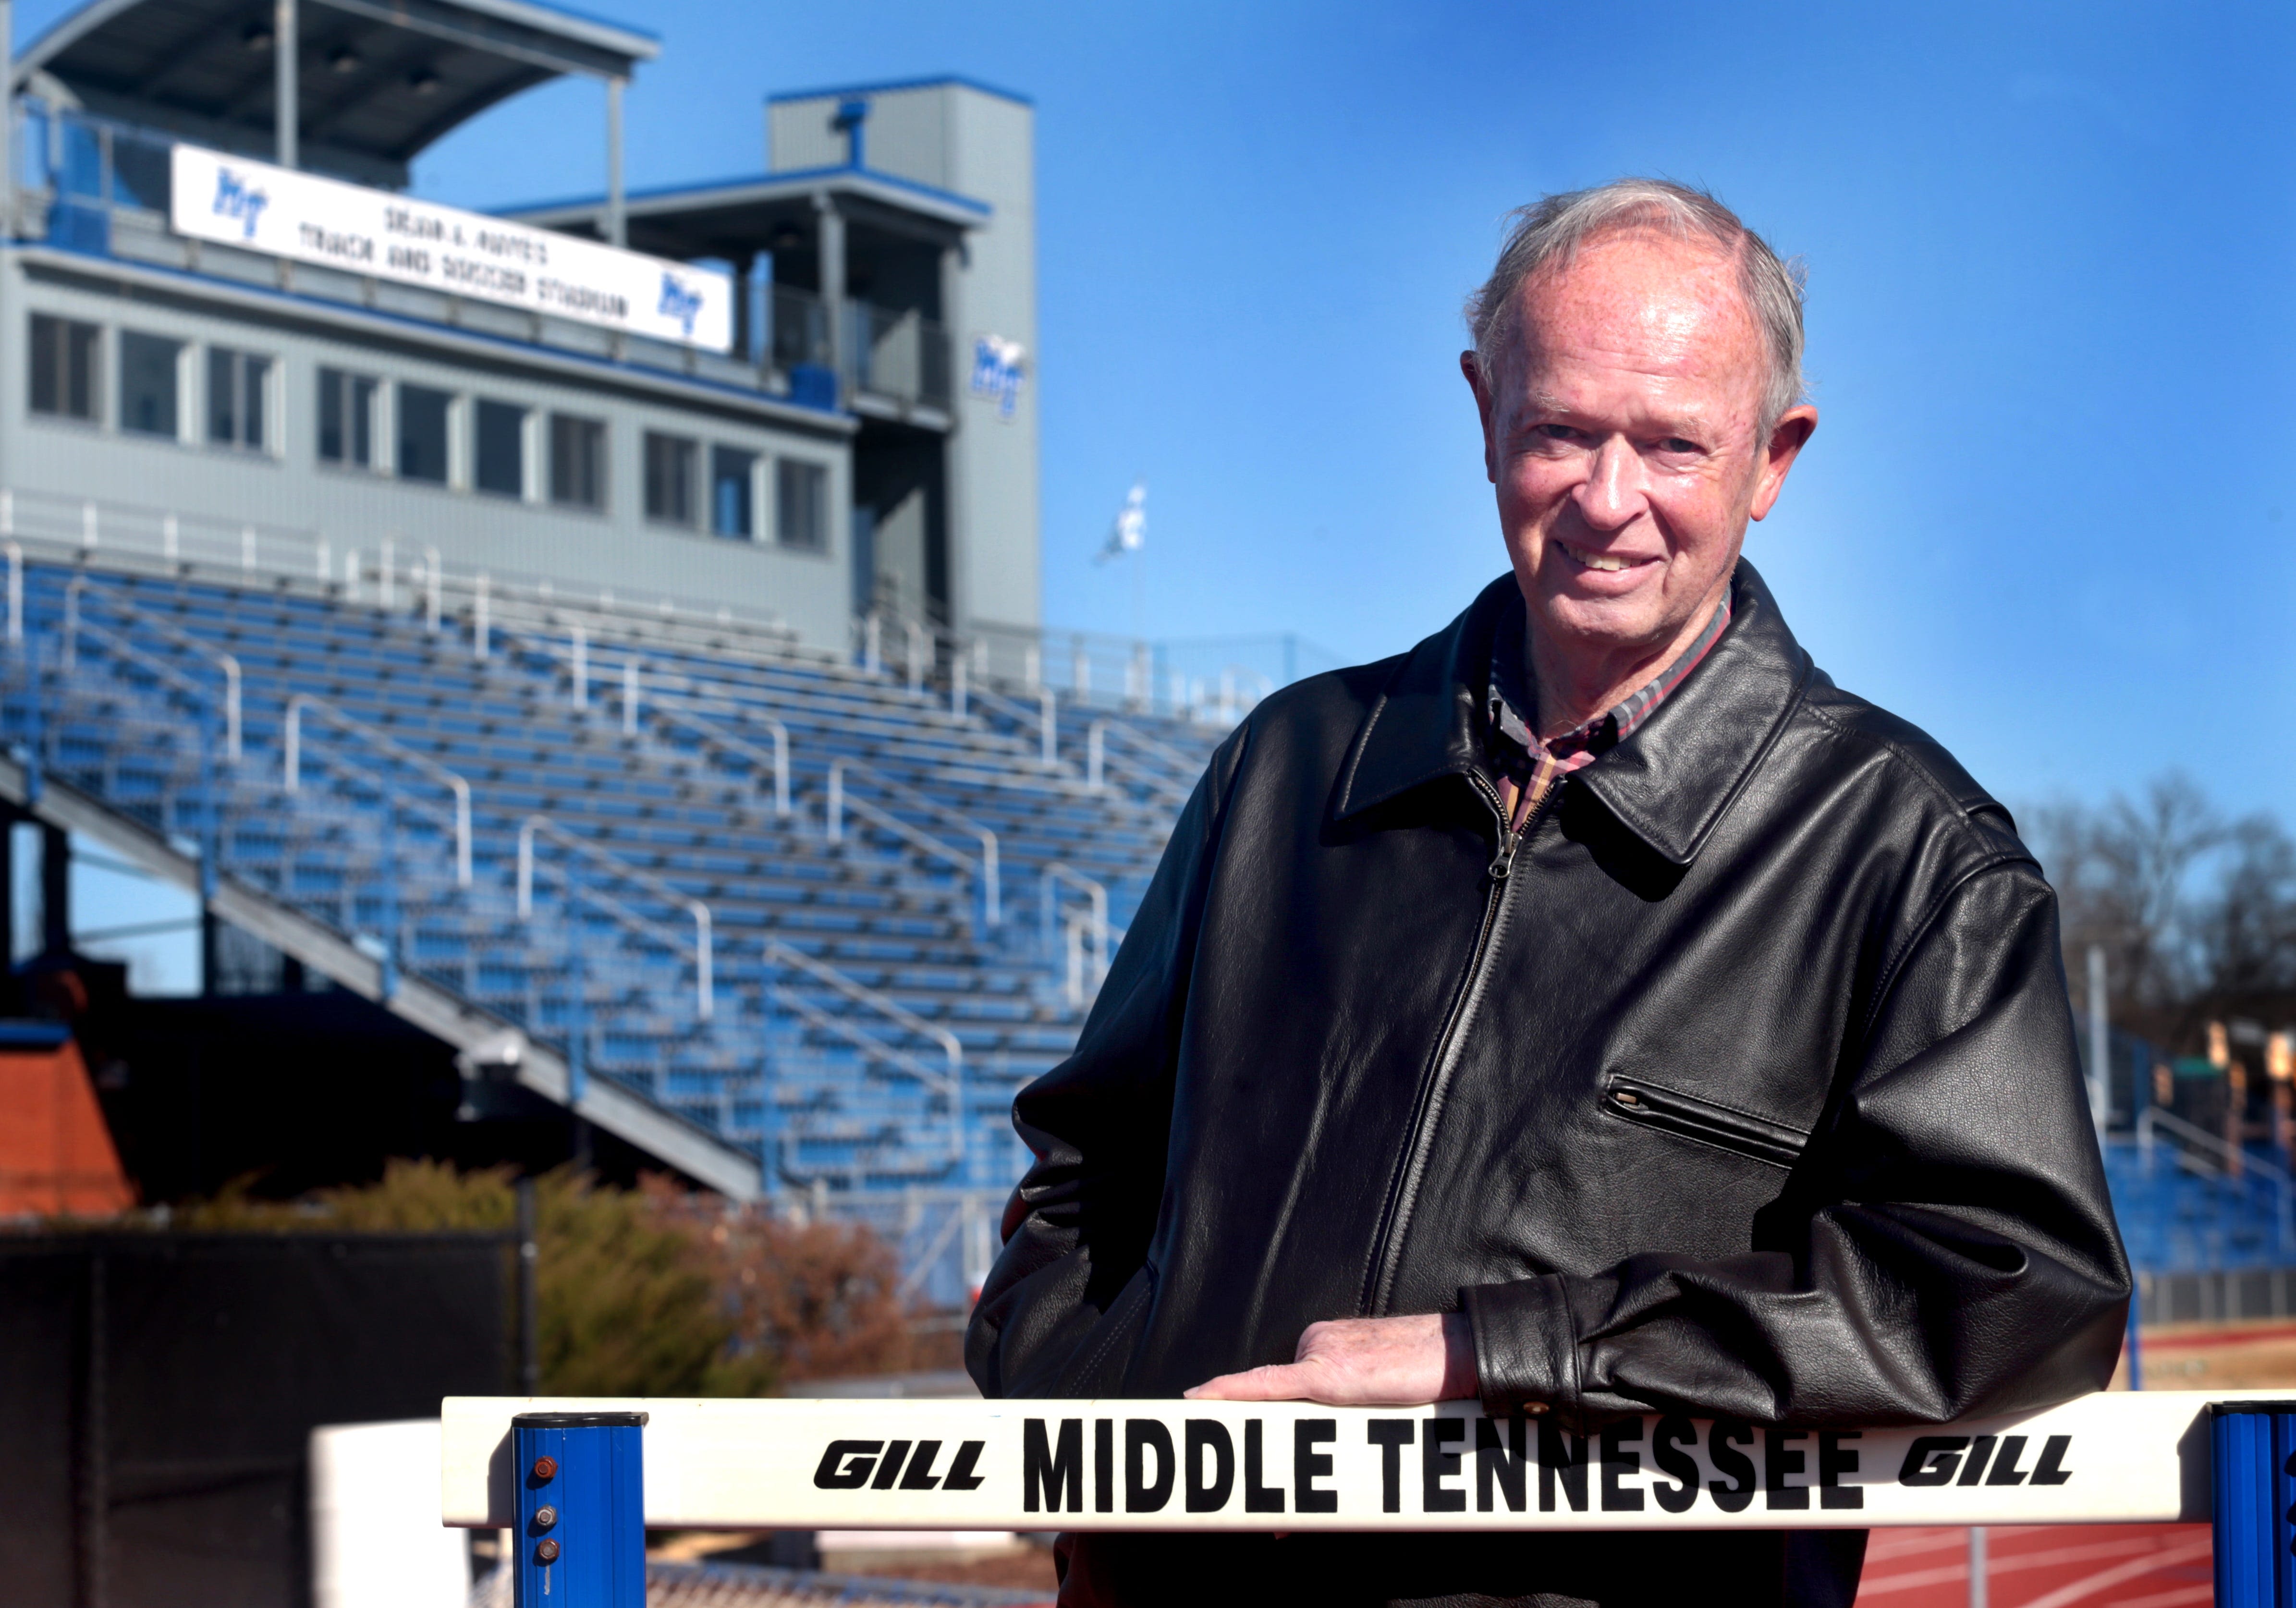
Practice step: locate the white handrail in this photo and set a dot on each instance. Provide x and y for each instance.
(132, 530)
(292, 752)
(1094, 892)
(1095, 779)
(779, 758)
(228, 663)
(862, 994)
(1186, 766)
(863, 1040)
(1021, 714)
(705, 992)
(986, 867)
(158, 667)
(15, 593)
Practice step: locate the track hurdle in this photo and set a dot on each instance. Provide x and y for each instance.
(2128, 1457)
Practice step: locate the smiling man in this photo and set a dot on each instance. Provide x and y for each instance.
(1593, 1010)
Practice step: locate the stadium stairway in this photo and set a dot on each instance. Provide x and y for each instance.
(751, 909)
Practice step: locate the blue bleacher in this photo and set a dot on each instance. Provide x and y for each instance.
(840, 971)
(2180, 1212)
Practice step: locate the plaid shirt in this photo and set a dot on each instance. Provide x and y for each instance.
(1525, 767)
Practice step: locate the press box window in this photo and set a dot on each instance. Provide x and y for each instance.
(347, 404)
(423, 414)
(235, 385)
(731, 473)
(501, 454)
(669, 463)
(801, 504)
(577, 461)
(149, 371)
(63, 368)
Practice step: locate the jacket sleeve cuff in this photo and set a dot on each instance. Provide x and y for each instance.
(1525, 1345)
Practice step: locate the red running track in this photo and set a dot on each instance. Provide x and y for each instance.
(2043, 1566)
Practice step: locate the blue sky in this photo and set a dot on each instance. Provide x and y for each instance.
(2046, 511)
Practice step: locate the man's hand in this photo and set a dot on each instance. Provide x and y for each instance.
(1364, 1362)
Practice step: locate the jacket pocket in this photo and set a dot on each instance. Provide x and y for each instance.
(1654, 1105)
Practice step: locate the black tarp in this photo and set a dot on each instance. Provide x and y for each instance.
(157, 1392)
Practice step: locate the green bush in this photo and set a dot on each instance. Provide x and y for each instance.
(628, 1298)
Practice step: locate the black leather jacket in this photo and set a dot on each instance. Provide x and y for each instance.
(1745, 1083)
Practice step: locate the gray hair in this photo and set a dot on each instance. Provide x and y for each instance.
(1551, 230)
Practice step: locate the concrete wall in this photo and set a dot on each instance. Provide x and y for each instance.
(287, 484)
(980, 143)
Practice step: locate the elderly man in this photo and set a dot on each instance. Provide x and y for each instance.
(1594, 1010)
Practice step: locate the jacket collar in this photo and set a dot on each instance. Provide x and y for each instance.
(1671, 779)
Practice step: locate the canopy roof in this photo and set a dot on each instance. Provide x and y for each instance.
(733, 217)
(379, 79)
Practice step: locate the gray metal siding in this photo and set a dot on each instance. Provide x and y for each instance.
(617, 549)
(981, 145)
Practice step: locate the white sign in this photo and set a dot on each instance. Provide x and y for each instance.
(285, 213)
(2125, 1457)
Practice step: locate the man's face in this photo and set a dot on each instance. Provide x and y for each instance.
(1623, 434)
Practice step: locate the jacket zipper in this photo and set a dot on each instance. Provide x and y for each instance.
(1388, 1241)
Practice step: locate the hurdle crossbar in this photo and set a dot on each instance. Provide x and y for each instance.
(2124, 1458)
(580, 1481)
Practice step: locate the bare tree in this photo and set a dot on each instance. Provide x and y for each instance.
(2245, 932)
(2123, 874)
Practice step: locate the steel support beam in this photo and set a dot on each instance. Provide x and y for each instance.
(286, 65)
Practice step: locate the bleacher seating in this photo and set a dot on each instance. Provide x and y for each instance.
(2182, 1212)
(844, 995)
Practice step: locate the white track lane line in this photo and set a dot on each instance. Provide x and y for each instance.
(1907, 1545)
(1998, 1566)
(2106, 1580)
(2170, 1599)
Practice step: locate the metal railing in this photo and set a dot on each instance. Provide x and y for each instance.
(705, 995)
(79, 587)
(291, 756)
(777, 761)
(897, 353)
(671, 710)
(1049, 883)
(1165, 784)
(982, 868)
(398, 576)
(951, 1082)
(1045, 717)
